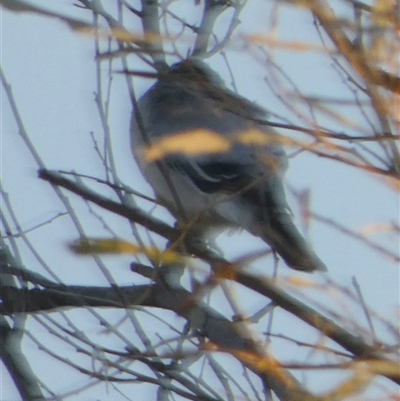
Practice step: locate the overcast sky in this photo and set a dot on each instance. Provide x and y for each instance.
(52, 73)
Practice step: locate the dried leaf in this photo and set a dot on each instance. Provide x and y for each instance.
(116, 246)
(191, 143)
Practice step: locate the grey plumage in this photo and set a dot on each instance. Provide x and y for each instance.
(239, 188)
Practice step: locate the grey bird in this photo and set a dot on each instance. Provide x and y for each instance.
(240, 187)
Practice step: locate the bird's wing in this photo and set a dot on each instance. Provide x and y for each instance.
(260, 201)
(240, 170)
(210, 176)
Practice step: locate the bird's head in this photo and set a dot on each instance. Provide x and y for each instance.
(195, 71)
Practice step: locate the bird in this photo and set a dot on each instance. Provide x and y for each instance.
(239, 187)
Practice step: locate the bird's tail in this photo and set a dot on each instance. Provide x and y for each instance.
(285, 238)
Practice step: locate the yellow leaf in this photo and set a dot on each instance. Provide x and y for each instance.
(254, 137)
(93, 246)
(265, 364)
(383, 367)
(382, 11)
(192, 143)
(300, 282)
(372, 229)
(225, 271)
(363, 374)
(359, 381)
(280, 44)
(116, 246)
(257, 137)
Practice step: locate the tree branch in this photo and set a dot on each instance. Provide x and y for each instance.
(134, 214)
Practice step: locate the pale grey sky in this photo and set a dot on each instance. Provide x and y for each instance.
(52, 74)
